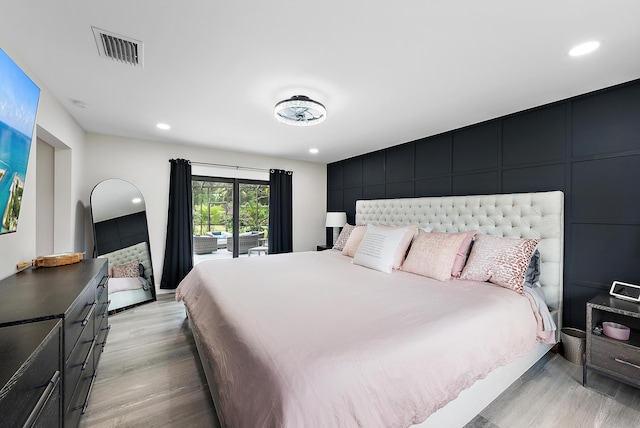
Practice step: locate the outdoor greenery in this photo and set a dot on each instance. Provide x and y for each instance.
(213, 207)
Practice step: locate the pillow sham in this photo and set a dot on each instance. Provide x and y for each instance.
(499, 260)
(343, 237)
(127, 270)
(401, 252)
(353, 242)
(433, 254)
(378, 247)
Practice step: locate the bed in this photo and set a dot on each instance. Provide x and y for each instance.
(345, 345)
(131, 284)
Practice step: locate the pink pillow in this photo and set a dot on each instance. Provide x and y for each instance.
(433, 254)
(502, 261)
(353, 242)
(343, 237)
(463, 253)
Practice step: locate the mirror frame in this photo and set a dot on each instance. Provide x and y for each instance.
(123, 220)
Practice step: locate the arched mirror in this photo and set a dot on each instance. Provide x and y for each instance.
(121, 235)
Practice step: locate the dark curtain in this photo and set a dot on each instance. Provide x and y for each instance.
(178, 253)
(280, 211)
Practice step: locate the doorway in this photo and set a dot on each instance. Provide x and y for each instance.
(230, 217)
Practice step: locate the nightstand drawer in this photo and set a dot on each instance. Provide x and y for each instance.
(610, 356)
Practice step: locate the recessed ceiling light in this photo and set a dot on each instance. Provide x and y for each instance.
(136, 200)
(313, 151)
(163, 126)
(584, 48)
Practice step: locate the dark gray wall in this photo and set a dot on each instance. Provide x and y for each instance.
(587, 146)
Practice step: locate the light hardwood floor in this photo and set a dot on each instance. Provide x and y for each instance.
(150, 376)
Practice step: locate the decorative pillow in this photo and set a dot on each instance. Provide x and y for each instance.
(378, 247)
(127, 270)
(401, 252)
(433, 254)
(353, 242)
(343, 237)
(502, 261)
(110, 271)
(463, 253)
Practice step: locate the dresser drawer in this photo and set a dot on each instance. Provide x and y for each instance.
(79, 400)
(80, 362)
(33, 392)
(616, 358)
(78, 317)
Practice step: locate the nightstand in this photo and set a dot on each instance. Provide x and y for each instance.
(323, 247)
(617, 359)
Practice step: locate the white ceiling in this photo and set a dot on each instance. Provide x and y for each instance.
(388, 72)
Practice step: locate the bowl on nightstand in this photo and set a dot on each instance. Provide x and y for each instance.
(616, 331)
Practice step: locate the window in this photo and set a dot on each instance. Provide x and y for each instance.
(226, 208)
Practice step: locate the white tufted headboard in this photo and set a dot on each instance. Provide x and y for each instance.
(518, 215)
(134, 252)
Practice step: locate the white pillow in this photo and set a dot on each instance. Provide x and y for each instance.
(378, 248)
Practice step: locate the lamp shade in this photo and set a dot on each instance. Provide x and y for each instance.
(336, 219)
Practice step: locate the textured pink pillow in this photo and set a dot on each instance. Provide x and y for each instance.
(354, 240)
(502, 261)
(343, 237)
(127, 270)
(401, 251)
(433, 254)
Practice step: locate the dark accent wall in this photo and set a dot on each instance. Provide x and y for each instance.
(587, 146)
(121, 232)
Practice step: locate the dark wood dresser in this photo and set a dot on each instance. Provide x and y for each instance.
(77, 296)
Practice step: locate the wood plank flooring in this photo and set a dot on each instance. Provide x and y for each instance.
(150, 376)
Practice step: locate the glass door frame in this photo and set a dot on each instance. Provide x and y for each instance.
(236, 182)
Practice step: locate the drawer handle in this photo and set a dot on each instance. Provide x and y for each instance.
(104, 342)
(103, 281)
(106, 310)
(86, 400)
(627, 363)
(89, 354)
(86, 319)
(46, 394)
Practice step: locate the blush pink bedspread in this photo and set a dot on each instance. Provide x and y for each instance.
(311, 340)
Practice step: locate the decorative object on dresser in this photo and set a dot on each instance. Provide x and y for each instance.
(76, 295)
(610, 354)
(336, 220)
(51, 260)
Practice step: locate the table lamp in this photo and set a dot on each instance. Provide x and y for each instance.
(336, 220)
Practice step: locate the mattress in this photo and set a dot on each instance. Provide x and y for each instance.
(310, 339)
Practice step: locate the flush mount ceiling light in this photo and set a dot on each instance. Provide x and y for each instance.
(584, 48)
(163, 126)
(300, 110)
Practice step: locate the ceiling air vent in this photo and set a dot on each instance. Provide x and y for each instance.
(119, 48)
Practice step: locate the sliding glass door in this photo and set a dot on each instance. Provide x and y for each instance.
(230, 217)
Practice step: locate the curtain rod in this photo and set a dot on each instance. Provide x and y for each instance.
(248, 168)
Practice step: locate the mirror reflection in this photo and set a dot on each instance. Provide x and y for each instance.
(121, 235)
